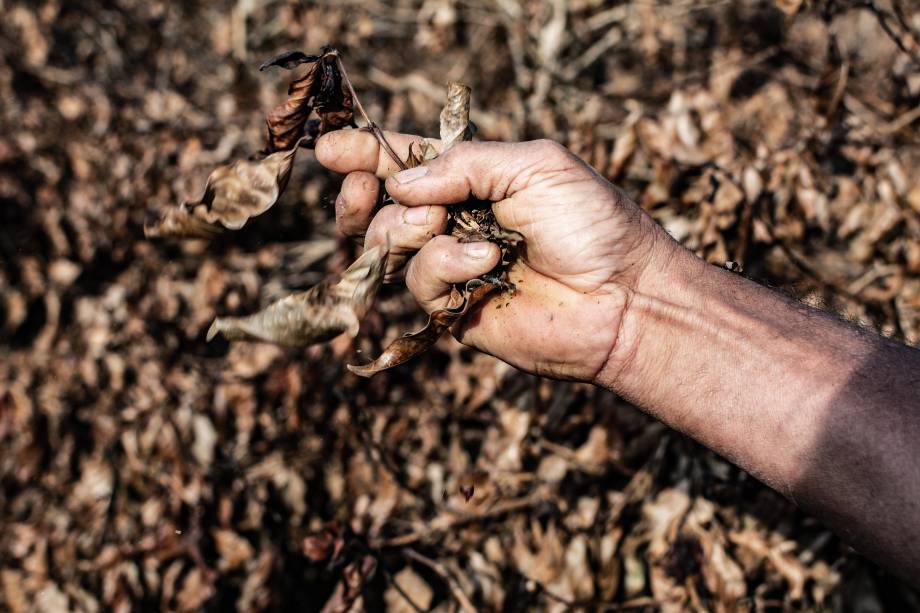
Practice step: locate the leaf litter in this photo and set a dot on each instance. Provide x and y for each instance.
(138, 460)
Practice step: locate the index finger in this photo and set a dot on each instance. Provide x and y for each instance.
(346, 151)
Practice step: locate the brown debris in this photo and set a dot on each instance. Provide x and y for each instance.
(321, 89)
(410, 345)
(233, 194)
(316, 315)
(143, 468)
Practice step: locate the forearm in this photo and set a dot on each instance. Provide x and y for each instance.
(819, 410)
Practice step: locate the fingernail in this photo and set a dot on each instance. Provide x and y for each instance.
(417, 215)
(477, 250)
(407, 176)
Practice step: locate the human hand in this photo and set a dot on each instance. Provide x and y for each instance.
(587, 248)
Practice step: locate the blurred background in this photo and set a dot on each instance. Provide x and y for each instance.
(142, 468)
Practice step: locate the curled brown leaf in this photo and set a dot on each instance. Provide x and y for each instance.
(420, 154)
(410, 345)
(182, 222)
(288, 60)
(247, 188)
(234, 193)
(322, 89)
(316, 315)
(455, 116)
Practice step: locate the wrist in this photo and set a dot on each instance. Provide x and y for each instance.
(661, 291)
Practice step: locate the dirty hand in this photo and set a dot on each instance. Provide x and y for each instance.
(588, 248)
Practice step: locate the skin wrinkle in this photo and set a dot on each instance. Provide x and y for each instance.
(826, 414)
(405, 239)
(568, 173)
(732, 328)
(441, 255)
(549, 179)
(618, 337)
(447, 169)
(508, 220)
(590, 285)
(538, 172)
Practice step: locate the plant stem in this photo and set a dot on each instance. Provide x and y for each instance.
(376, 131)
(462, 599)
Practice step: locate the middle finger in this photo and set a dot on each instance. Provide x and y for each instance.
(407, 229)
(355, 204)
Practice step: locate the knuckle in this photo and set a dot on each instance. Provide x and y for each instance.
(461, 153)
(436, 255)
(389, 212)
(549, 149)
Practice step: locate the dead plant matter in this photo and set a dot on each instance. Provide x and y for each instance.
(143, 468)
(247, 188)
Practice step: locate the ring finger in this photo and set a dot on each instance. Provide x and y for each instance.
(407, 229)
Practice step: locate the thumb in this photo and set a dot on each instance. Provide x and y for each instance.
(487, 171)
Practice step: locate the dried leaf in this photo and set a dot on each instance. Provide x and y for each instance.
(197, 588)
(286, 121)
(316, 315)
(246, 188)
(322, 89)
(426, 152)
(234, 193)
(324, 545)
(182, 222)
(455, 117)
(354, 577)
(234, 550)
(410, 345)
(289, 60)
